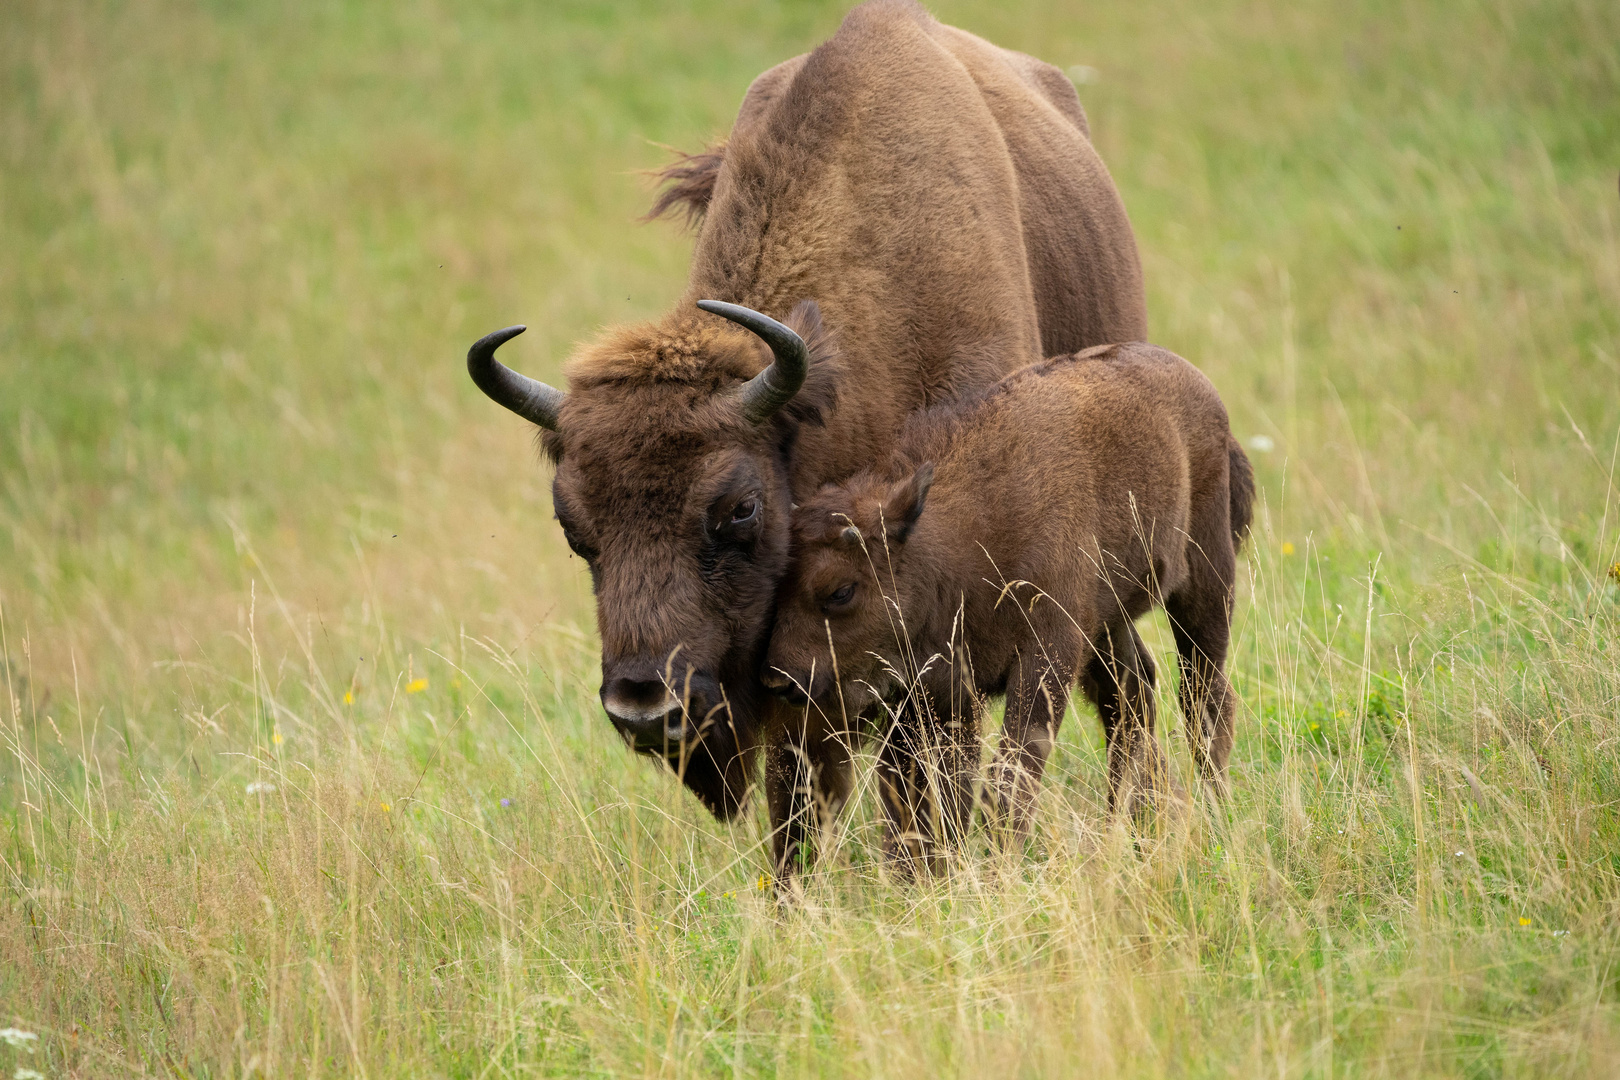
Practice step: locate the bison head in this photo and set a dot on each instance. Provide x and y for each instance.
(839, 637)
(672, 454)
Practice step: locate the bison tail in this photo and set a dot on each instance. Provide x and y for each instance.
(688, 184)
(1240, 488)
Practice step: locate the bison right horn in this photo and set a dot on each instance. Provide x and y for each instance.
(774, 387)
(529, 398)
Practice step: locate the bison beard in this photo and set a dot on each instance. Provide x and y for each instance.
(716, 767)
(939, 199)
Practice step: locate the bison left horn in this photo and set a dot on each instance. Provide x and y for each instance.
(774, 387)
(529, 398)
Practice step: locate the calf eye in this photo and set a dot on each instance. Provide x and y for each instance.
(744, 511)
(840, 596)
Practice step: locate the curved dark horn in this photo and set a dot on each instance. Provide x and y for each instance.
(775, 386)
(529, 398)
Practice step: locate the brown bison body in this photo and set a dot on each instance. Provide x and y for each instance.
(1009, 547)
(926, 211)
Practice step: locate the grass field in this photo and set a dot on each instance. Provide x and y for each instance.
(304, 772)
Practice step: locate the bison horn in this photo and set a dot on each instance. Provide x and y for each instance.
(774, 387)
(529, 398)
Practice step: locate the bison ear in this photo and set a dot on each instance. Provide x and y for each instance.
(819, 394)
(805, 320)
(905, 503)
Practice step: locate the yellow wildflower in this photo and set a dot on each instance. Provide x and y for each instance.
(416, 686)
(1614, 573)
(386, 807)
(348, 697)
(1523, 921)
(763, 883)
(1287, 548)
(275, 737)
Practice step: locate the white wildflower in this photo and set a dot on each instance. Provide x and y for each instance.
(27, 1074)
(1084, 73)
(18, 1039)
(1262, 444)
(260, 787)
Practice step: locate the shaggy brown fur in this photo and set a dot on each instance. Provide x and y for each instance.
(1009, 547)
(933, 202)
(688, 184)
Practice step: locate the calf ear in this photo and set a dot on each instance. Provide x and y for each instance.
(905, 503)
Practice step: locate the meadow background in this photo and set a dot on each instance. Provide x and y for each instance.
(303, 771)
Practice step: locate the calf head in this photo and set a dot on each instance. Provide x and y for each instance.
(839, 638)
(672, 456)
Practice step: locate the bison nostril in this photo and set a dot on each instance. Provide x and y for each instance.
(638, 701)
(655, 718)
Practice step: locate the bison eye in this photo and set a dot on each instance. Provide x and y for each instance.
(584, 551)
(576, 545)
(840, 596)
(745, 511)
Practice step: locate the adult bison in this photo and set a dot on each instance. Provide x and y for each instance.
(925, 213)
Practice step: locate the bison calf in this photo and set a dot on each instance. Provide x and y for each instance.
(1008, 546)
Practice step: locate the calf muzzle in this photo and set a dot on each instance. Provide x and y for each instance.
(783, 686)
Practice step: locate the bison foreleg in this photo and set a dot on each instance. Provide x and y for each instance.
(808, 777)
(1037, 697)
(926, 767)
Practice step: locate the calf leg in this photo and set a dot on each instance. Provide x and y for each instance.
(925, 783)
(807, 781)
(1037, 697)
(1119, 679)
(958, 757)
(1201, 618)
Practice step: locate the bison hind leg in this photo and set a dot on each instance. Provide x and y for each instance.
(1201, 619)
(1119, 680)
